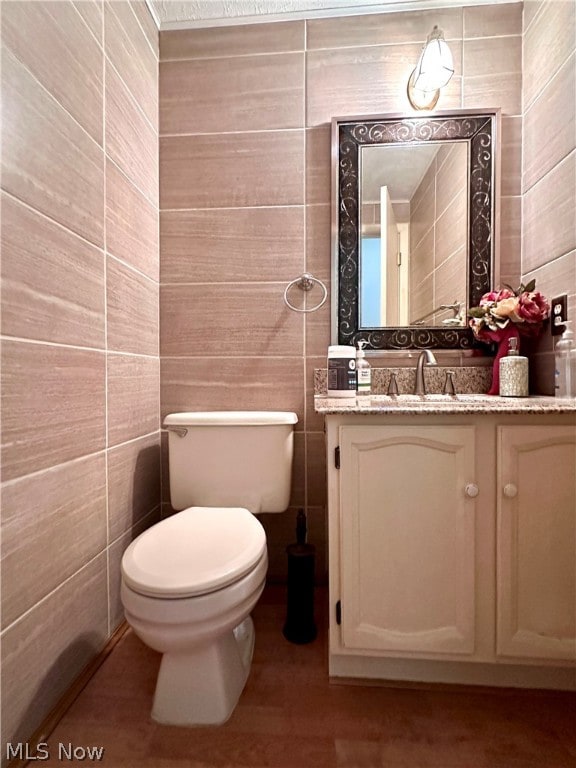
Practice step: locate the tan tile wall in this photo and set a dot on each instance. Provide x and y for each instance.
(80, 362)
(450, 229)
(549, 163)
(245, 199)
(439, 225)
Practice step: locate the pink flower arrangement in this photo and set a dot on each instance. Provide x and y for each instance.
(525, 307)
(507, 314)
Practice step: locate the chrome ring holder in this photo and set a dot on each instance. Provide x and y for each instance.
(306, 282)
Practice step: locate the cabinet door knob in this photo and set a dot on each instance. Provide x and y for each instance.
(510, 490)
(471, 490)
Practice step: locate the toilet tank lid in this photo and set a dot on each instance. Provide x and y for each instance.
(230, 418)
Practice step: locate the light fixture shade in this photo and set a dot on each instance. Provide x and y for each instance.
(435, 66)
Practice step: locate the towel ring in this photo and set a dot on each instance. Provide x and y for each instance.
(306, 282)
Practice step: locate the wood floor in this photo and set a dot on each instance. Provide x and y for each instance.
(290, 716)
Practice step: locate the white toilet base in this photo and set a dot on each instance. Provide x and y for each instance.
(202, 687)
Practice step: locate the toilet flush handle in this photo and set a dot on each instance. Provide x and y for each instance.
(180, 431)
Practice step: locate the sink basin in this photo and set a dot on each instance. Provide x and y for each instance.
(467, 398)
(430, 400)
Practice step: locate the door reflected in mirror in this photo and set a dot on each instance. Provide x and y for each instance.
(413, 235)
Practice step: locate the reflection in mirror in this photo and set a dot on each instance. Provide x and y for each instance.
(413, 227)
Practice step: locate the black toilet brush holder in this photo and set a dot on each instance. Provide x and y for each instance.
(300, 626)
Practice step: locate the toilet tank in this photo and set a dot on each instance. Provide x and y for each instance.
(231, 459)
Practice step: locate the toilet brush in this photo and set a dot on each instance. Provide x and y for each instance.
(300, 626)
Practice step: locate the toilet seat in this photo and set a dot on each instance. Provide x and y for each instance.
(194, 552)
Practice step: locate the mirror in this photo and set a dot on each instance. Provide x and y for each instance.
(413, 227)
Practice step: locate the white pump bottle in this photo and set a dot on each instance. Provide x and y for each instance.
(564, 359)
(363, 371)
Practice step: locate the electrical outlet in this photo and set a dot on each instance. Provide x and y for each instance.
(558, 314)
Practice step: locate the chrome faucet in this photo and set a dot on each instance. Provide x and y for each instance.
(420, 386)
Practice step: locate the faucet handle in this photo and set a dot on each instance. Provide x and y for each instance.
(392, 385)
(449, 388)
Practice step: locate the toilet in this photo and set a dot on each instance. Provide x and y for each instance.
(190, 582)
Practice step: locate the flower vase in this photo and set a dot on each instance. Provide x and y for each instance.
(502, 337)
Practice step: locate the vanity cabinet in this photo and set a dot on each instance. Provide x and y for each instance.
(536, 542)
(452, 548)
(407, 526)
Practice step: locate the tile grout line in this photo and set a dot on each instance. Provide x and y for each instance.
(62, 345)
(106, 383)
(306, 260)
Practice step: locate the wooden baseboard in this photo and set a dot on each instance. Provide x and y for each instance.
(491, 690)
(50, 722)
(404, 672)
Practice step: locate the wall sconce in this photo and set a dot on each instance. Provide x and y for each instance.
(433, 71)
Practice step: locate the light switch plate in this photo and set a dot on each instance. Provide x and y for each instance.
(558, 314)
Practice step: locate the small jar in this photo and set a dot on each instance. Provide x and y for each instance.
(513, 373)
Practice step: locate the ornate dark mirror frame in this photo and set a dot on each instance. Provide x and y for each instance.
(480, 128)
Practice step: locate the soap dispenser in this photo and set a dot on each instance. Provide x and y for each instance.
(513, 372)
(564, 383)
(363, 371)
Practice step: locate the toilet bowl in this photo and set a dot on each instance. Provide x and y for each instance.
(188, 590)
(190, 582)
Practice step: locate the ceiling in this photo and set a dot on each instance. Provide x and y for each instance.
(187, 14)
(400, 168)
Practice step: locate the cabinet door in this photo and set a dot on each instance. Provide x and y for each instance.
(536, 542)
(407, 546)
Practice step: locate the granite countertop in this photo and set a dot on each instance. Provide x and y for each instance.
(432, 404)
(469, 381)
